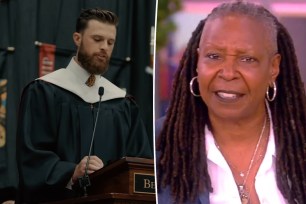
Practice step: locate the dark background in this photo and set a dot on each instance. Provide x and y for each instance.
(22, 22)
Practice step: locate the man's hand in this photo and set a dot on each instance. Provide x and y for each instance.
(94, 164)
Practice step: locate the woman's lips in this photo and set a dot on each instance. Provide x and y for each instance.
(228, 96)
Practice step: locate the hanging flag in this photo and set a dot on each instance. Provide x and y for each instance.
(46, 58)
(3, 93)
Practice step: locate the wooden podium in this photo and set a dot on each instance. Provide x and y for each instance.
(129, 180)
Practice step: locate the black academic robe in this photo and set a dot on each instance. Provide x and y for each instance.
(54, 133)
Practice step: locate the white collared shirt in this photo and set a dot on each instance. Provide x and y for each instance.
(224, 187)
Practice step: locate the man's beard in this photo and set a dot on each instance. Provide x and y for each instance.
(92, 63)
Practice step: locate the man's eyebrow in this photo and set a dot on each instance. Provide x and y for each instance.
(96, 35)
(102, 36)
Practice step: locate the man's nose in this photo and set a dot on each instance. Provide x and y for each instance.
(104, 45)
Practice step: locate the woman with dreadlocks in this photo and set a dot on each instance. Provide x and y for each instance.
(235, 131)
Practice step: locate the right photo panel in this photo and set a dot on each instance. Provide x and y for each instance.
(230, 104)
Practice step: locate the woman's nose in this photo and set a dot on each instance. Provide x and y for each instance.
(228, 70)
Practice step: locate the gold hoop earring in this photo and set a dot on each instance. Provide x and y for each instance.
(191, 87)
(274, 92)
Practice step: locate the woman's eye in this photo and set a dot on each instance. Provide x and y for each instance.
(247, 59)
(213, 56)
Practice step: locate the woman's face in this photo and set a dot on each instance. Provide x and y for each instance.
(235, 66)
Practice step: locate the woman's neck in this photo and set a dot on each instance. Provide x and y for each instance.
(237, 132)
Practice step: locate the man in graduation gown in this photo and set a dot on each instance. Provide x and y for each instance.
(58, 111)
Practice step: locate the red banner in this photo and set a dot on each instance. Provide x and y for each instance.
(46, 59)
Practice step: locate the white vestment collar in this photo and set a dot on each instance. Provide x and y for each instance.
(73, 78)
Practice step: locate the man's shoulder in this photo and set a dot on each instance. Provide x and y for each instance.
(36, 84)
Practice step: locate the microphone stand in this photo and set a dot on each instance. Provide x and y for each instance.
(84, 181)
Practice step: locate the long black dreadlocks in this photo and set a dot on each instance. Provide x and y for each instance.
(182, 164)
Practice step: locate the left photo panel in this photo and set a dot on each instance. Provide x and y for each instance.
(76, 122)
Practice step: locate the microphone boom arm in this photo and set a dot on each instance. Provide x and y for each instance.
(84, 181)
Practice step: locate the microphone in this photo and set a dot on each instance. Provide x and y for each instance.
(84, 181)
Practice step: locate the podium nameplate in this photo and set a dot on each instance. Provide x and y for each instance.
(144, 183)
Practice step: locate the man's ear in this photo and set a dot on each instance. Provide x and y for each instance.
(275, 66)
(77, 38)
